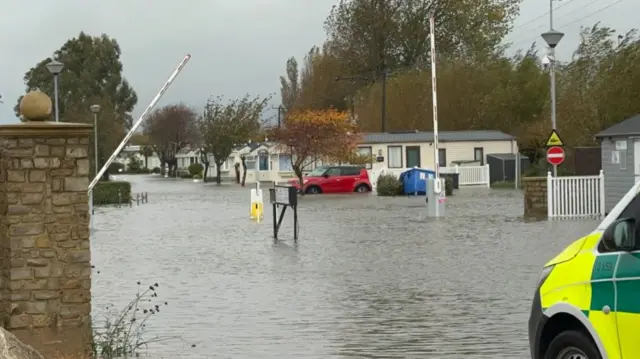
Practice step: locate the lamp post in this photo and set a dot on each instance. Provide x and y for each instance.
(95, 109)
(552, 38)
(55, 67)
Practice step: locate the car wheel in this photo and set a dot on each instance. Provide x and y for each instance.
(572, 344)
(362, 188)
(313, 190)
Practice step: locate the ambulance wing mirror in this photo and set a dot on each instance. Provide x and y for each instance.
(620, 235)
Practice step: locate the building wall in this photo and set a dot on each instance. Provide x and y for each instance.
(618, 177)
(455, 151)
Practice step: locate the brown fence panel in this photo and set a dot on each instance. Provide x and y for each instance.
(587, 161)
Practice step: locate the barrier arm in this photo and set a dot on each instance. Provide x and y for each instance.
(137, 124)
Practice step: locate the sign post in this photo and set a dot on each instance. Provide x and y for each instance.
(555, 142)
(285, 196)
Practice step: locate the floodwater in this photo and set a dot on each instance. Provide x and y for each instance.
(369, 277)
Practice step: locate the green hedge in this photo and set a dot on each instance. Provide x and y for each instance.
(389, 185)
(107, 192)
(448, 185)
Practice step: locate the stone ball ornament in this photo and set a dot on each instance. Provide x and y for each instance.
(35, 106)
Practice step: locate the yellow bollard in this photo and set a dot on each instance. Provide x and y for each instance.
(257, 205)
(256, 210)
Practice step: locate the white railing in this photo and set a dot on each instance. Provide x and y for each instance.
(575, 196)
(470, 175)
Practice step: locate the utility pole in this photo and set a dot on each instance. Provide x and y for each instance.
(280, 109)
(383, 107)
(370, 79)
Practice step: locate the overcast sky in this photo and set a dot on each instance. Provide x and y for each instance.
(238, 46)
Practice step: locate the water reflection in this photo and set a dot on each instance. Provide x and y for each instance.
(369, 277)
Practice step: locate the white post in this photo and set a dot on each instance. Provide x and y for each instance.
(436, 190)
(486, 173)
(457, 169)
(549, 195)
(436, 158)
(601, 194)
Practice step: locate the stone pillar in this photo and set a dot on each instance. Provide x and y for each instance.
(44, 230)
(535, 196)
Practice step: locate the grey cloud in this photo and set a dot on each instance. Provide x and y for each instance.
(238, 46)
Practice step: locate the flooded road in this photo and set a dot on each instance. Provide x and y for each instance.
(370, 277)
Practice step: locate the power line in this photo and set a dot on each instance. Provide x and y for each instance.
(544, 15)
(531, 39)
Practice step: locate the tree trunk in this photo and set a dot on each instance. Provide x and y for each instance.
(146, 162)
(163, 167)
(298, 171)
(236, 167)
(173, 167)
(206, 171)
(105, 176)
(244, 171)
(218, 174)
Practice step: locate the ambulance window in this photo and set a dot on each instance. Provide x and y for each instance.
(632, 210)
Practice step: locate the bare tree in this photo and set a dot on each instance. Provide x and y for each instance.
(223, 125)
(169, 130)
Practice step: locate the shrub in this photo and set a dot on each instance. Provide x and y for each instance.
(197, 176)
(389, 185)
(107, 192)
(123, 333)
(196, 169)
(140, 170)
(448, 186)
(115, 167)
(134, 165)
(156, 170)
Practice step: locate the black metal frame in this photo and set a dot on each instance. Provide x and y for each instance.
(292, 201)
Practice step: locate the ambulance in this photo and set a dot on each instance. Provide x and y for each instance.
(587, 301)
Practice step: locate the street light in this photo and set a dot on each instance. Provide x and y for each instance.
(95, 109)
(552, 38)
(55, 67)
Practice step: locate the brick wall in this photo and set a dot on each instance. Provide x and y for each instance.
(535, 196)
(44, 235)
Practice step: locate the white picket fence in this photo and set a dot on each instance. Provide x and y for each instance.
(469, 175)
(575, 196)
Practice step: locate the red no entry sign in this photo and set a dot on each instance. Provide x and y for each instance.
(555, 155)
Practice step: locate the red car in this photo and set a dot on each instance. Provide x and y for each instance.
(335, 179)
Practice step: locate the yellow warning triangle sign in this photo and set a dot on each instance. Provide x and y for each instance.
(554, 139)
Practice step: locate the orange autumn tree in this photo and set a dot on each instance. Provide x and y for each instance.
(308, 136)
